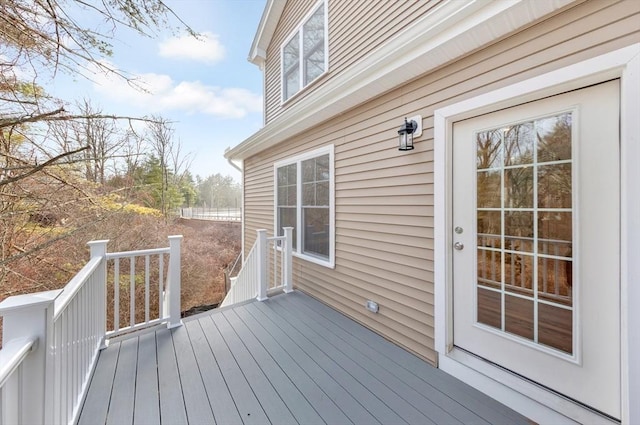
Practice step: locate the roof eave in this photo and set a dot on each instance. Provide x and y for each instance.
(267, 26)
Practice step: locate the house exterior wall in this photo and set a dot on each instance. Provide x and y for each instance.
(384, 197)
(356, 27)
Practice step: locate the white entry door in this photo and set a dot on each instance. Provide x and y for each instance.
(536, 232)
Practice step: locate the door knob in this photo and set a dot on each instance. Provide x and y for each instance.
(459, 246)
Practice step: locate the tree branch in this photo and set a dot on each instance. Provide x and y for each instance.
(39, 167)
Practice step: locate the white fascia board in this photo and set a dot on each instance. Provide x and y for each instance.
(267, 26)
(448, 32)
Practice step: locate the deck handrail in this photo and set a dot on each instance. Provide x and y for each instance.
(257, 278)
(11, 357)
(245, 285)
(139, 253)
(52, 339)
(74, 285)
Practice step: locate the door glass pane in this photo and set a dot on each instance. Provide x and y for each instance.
(518, 273)
(489, 189)
(490, 268)
(489, 229)
(518, 187)
(525, 230)
(518, 144)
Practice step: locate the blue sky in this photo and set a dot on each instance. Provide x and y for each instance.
(208, 88)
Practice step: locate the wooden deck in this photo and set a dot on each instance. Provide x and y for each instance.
(287, 360)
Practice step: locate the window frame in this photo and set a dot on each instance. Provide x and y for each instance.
(297, 32)
(298, 251)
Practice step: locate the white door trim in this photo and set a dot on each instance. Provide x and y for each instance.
(530, 399)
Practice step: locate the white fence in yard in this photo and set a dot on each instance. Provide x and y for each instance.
(219, 214)
(267, 268)
(51, 340)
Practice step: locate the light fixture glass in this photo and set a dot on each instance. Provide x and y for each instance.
(405, 135)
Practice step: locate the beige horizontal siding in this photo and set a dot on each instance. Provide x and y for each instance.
(356, 27)
(384, 198)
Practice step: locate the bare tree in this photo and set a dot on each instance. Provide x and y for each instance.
(44, 182)
(172, 162)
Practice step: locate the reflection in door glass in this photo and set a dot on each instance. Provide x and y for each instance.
(525, 230)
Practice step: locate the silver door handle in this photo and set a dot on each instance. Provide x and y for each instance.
(459, 246)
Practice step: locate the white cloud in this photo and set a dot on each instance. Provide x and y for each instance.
(157, 93)
(206, 48)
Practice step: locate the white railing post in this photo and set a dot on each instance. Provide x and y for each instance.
(263, 281)
(98, 249)
(173, 284)
(31, 316)
(287, 251)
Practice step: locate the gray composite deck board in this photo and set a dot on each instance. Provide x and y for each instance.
(95, 408)
(193, 389)
(338, 366)
(147, 408)
(439, 406)
(219, 395)
(293, 397)
(407, 403)
(346, 401)
(245, 400)
(467, 397)
(287, 360)
(311, 391)
(172, 408)
(124, 383)
(273, 406)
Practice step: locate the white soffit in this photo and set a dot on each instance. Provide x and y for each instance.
(450, 31)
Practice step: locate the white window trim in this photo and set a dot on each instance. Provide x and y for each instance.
(531, 400)
(298, 31)
(330, 263)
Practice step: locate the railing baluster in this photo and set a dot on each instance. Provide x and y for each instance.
(74, 352)
(57, 372)
(132, 291)
(273, 283)
(160, 285)
(116, 294)
(146, 289)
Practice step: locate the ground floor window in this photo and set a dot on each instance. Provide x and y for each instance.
(305, 201)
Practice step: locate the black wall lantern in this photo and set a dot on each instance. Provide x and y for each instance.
(408, 131)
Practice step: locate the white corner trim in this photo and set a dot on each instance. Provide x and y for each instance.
(451, 30)
(624, 64)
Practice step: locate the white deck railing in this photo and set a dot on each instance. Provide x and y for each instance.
(51, 339)
(268, 267)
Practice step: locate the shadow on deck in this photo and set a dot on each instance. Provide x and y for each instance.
(287, 360)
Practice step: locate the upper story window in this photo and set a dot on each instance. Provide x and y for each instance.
(304, 201)
(304, 55)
